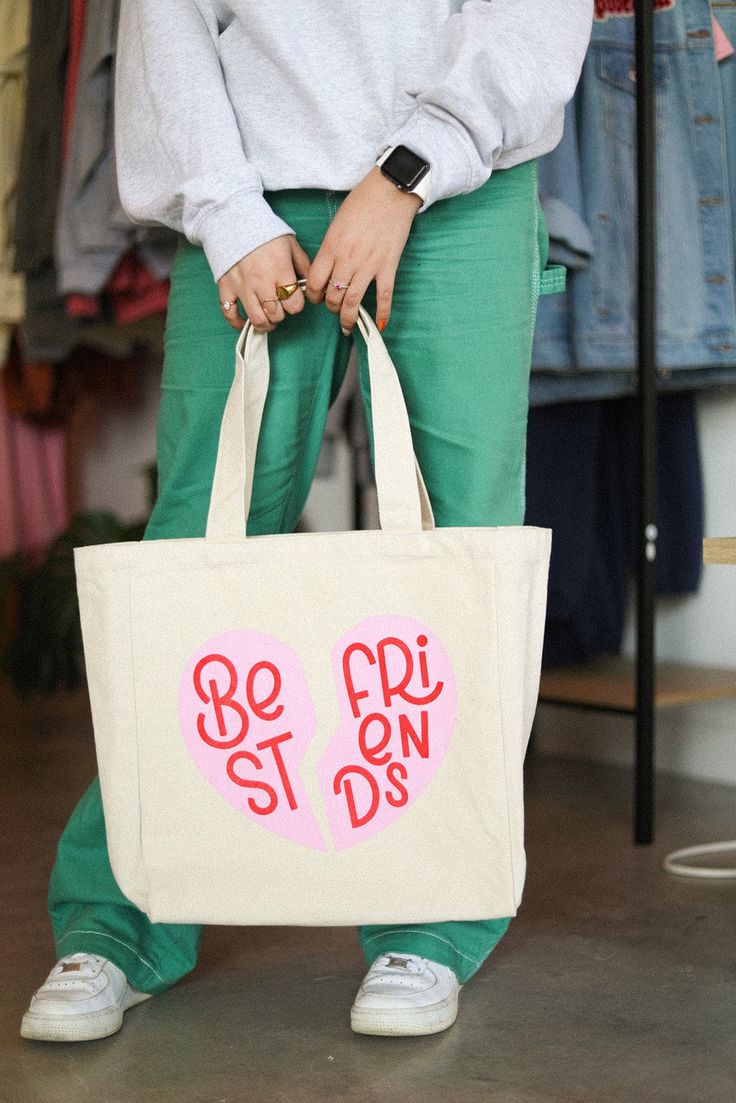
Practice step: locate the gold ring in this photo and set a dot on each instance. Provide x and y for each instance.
(274, 301)
(286, 290)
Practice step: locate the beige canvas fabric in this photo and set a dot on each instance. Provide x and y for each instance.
(320, 728)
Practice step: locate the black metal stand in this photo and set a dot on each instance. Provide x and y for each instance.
(647, 427)
(643, 700)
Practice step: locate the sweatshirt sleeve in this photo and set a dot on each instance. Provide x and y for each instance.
(179, 153)
(507, 69)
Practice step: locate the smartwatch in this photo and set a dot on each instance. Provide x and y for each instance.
(406, 169)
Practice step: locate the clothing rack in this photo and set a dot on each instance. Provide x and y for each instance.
(647, 423)
(607, 685)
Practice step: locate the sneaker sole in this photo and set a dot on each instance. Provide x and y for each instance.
(79, 1028)
(405, 1022)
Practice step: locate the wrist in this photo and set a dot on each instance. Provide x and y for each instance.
(406, 171)
(401, 198)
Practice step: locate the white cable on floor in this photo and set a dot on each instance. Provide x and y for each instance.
(672, 862)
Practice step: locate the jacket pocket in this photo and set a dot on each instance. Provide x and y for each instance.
(616, 72)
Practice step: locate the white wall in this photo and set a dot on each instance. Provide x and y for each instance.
(115, 446)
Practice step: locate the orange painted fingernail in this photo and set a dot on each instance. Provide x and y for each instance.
(382, 323)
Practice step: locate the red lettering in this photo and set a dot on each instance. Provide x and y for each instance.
(605, 9)
(371, 754)
(408, 731)
(272, 745)
(390, 691)
(422, 642)
(219, 701)
(403, 796)
(259, 707)
(341, 778)
(347, 674)
(247, 783)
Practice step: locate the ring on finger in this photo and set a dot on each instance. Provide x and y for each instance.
(284, 291)
(228, 304)
(271, 304)
(339, 286)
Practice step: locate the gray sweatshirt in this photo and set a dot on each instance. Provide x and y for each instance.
(219, 100)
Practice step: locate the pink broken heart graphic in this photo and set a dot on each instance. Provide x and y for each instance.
(396, 691)
(248, 719)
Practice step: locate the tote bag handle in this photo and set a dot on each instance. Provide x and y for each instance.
(403, 502)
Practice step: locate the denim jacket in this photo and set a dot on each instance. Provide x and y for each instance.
(585, 344)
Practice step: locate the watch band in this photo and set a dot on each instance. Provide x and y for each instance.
(421, 189)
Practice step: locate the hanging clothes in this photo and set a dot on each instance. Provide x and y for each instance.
(97, 247)
(133, 292)
(40, 169)
(58, 50)
(723, 45)
(33, 489)
(77, 17)
(587, 495)
(585, 343)
(32, 459)
(48, 332)
(14, 36)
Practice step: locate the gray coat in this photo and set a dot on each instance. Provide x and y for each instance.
(92, 230)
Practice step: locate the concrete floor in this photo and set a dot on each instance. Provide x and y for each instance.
(615, 983)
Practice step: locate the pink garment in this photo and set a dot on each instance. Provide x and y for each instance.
(721, 42)
(32, 485)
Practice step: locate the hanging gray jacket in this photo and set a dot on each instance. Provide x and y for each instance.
(48, 332)
(93, 231)
(40, 163)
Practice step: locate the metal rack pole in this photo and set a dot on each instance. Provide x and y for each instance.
(647, 424)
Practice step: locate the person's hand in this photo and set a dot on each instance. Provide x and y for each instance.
(364, 242)
(254, 279)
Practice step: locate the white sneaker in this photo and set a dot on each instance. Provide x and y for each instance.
(403, 994)
(83, 998)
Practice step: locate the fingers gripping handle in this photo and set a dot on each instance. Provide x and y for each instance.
(403, 503)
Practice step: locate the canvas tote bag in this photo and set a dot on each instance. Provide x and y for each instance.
(318, 728)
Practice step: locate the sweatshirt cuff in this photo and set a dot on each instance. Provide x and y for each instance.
(456, 168)
(234, 228)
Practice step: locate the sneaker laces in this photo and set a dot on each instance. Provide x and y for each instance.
(84, 965)
(75, 967)
(401, 961)
(398, 969)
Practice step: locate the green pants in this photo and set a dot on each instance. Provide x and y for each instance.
(460, 335)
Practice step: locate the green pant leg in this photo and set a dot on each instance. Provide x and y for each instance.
(308, 358)
(89, 913)
(460, 336)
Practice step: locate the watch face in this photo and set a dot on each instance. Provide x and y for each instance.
(405, 168)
